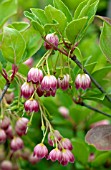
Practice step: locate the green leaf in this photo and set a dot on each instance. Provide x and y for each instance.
(74, 29)
(40, 14)
(20, 26)
(7, 9)
(100, 74)
(23, 69)
(30, 16)
(94, 95)
(33, 42)
(101, 159)
(38, 27)
(55, 15)
(61, 6)
(13, 45)
(80, 151)
(3, 62)
(105, 40)
(49, 27)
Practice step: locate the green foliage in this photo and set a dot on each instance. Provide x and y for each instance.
(74, 29)
(80, 151)
(7, 9)
(13, 45)
(61, 6)
(105, 40)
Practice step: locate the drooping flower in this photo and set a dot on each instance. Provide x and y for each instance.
(33, 159)
(31, 105)
(29, 62)
(39, 91)
(54, 155)
(53, 39)
(40, 151)
(83, 81)
(9, 132)
(16, 143)
(64, 82)
(64, 111)
(21, 126)
(67, 157)
(49, 85)
(53, 137)
(6, 165)
(27, 89)
(35, 75)
(66, 144)
(5, 123)
(2, 136)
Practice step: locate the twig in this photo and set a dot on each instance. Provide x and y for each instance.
(4, 90)
(73, 57)
(92, 108)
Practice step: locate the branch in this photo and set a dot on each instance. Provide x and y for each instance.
(81, 67)
(4, 90)
(92, 108)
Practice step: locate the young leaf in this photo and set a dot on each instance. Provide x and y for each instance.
(7, 9)
(13, 45)
(40, 14)
(74, 29)
(38, 27)
(20, 26)
(53, 15)
(100, 137)
(105, 40)
(61, 6)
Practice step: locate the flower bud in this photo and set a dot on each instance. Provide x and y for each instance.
(40, 151)
(29, 62)
(9, 96)
(6, 165)
(31, 105)
(64, 82)
(66, 144)
(33, 159)
(53, 39)
(49, 85)
(21, 126)
(39, 91)
(54, 155)
(27, 89)
(53, 137)
(35, 75)
(67, 156)
(5, 123)
(9, 132)
(82, 81)
(64, 111)
(16, 144)
(2, 136)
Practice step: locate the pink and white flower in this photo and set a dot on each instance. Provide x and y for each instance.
(55, 155)
(35, 75)
(16, 143)
(6, 165)
(3, 136)
(40, 151)
(49, 85)
(53, 39)
(82, 81)
(31, 105)
(64, 82)
(27, 89)
(66, 144)
(21, 126)
(67, 157)
(53, 137)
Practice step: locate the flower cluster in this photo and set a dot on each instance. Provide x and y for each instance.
(62, 151)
